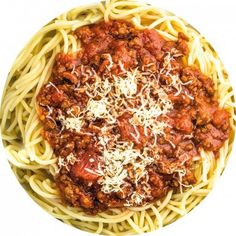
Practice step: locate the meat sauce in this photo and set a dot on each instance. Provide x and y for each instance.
(195, 121)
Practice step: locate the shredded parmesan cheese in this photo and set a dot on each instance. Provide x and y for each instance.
(128, 85)
(66, 162)
(71, 123)
(97, 109)
(54, 86)
(48, 116)
(116, 159)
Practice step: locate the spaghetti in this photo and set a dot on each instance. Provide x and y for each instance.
(32, 158)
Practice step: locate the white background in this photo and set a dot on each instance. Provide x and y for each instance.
(19, 20)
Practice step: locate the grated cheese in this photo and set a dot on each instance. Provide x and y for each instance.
(91, 171)
(66, 162)
(137, 198)
(116, 160)
(128, 85)
(97, 108)
(109, 58)
(122, 68)
(150, 109)
(71, 123)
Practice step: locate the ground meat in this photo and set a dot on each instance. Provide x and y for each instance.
(180, 100)
(152, 42)
(205, 110)
(110, 200)
(74, 193)
(123, 54)
(170, 165)
(159, 189)
(188, 178)
(210, 138)
(181, 43)
(193, 122)
(199, 82)
(220, 119)
(64, 63)
(183, 122)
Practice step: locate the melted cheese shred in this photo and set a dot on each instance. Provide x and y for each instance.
(31, 157)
